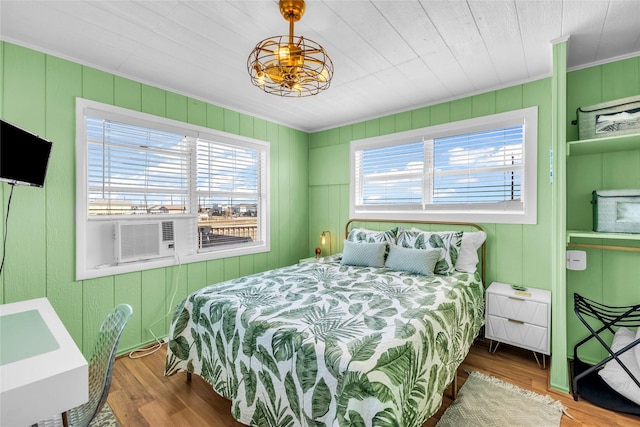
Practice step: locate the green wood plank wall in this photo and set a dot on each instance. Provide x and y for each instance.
(37, 92)
(518, 254)
(611, 277)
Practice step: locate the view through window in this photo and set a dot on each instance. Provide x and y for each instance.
(483, 169)
(228, 191)
(135, 168)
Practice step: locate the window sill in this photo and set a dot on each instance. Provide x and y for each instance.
(453, 216)
(130, 267)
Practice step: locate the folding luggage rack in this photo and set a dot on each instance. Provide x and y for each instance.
(586, 381)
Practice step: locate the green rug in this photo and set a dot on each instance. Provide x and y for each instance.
(485, 401)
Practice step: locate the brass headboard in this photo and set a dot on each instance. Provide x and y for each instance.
(402, 221)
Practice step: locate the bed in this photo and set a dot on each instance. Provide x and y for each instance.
(342, 340)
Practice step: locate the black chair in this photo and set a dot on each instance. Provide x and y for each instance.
(586, 381)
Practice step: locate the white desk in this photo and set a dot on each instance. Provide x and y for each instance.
(42, 371)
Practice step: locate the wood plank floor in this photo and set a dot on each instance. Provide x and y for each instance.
(142, 396)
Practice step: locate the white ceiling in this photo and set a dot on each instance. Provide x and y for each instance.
(389, 56)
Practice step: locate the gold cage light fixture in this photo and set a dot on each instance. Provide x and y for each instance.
(290, 65)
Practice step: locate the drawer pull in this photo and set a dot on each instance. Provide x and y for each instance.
(516, 321)
(517, 299)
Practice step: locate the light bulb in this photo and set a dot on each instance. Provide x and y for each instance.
(323, 241)
(283, 53)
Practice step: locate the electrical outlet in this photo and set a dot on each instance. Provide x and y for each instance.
(576, 260)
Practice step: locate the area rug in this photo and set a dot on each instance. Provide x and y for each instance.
(487, 401)
(105, 418)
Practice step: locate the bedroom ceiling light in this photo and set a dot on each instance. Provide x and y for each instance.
(290, 65)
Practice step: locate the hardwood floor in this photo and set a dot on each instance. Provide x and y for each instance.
(142, 396)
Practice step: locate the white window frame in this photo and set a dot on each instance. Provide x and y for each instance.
(94, 233)
(526, 213)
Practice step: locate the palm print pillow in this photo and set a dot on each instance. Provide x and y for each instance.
(364, 235)
(450, 241)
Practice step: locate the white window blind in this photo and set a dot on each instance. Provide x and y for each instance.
(226, 172)
(392, 174)
(479, 167)
(474, 169)
(229, 185)
(135, 170)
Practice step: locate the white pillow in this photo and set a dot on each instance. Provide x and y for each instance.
(468, 256)
(614, 375)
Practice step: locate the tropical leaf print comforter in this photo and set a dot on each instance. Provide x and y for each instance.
(321, 344)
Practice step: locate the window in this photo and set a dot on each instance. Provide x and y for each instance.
(228, 193)
(153, 191)
(480, 170)
(135, 170)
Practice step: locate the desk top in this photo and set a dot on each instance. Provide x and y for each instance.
(47, 378)
(24, 335)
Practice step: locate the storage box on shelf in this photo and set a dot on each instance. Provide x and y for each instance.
(616, 211)
(612, 118)
(519, 318)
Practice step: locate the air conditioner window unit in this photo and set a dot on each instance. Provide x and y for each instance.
(143, 240)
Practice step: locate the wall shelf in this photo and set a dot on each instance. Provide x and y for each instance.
(598, 235)
(604, 145)
(585, 234)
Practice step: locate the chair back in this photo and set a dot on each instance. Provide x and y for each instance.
(101, 365)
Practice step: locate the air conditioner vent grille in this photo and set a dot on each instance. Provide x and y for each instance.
(143, 240)
(167, 231)
(139, 240)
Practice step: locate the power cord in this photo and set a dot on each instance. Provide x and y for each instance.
(158, 343)
(6, 229)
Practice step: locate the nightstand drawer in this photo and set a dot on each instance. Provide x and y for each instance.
(520, 309)
(511, 331)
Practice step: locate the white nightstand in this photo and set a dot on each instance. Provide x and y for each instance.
(520, 318)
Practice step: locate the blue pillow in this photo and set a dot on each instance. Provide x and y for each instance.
(363, 254)
(419, 261)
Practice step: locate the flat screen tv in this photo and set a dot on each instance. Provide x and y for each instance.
(24, 157)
